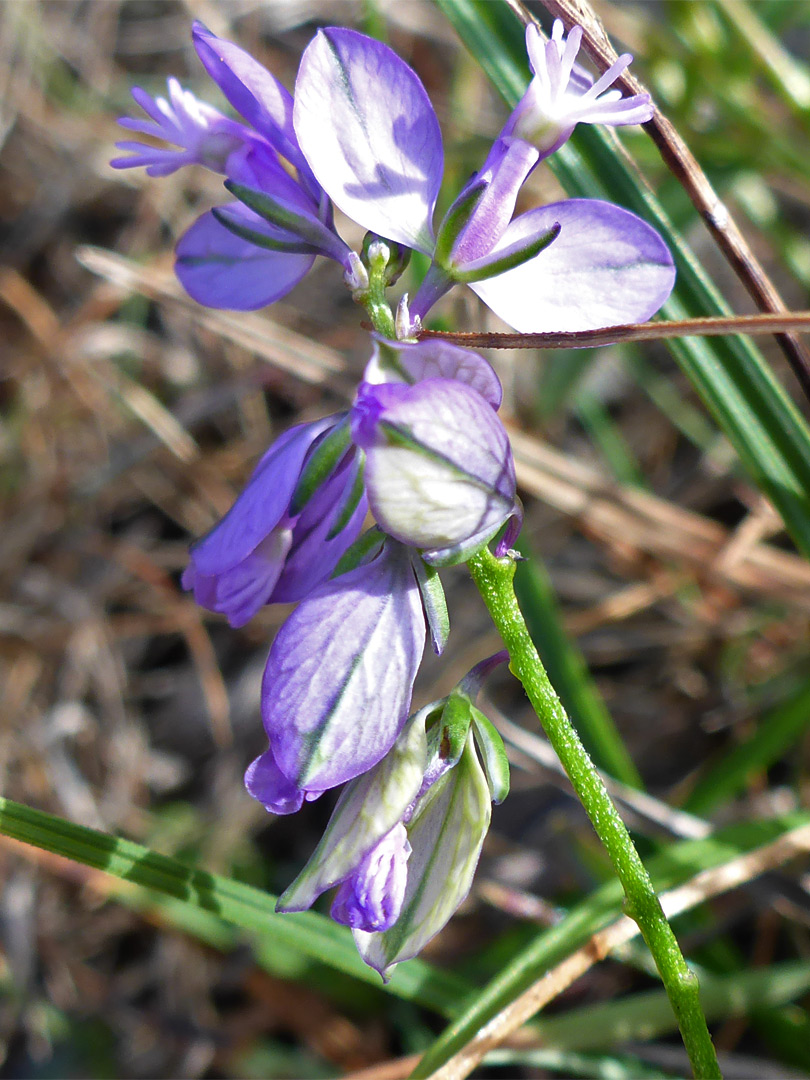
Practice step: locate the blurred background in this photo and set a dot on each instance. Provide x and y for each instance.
(667, 596)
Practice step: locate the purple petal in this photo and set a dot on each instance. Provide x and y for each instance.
(370, 134)
(262, 504)
(338, 680)
(251, 89)
(221, 270)
(506, 169)
(606, 267)
(371, 899)
(267, 783)
(438, 464)
(246, 587)
(433, 358)
(315, 553)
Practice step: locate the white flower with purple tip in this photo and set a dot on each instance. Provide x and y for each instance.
(562, 94)
(439, 472)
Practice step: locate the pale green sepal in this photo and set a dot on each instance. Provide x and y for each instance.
(454, 726)
(498, 263)
(321, 464)
(350, 504)
(493, 755)
(446, 835)
(368, 808)
(455, 220)
(309, 230)
(363, 550)
(261, 239)
(433, 601)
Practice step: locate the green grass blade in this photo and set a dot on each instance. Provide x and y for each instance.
(668, 869)
(730, 374)
(777, 731)
(196, 893)
(649, 1015)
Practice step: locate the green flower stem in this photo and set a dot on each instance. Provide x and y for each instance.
(375, 302)
(494, 578)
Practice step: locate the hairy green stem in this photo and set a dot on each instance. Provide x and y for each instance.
(494, 578)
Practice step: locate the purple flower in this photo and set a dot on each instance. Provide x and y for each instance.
(338, 681)
(361, 131)
(254, 251)
(574, 265)
(439, 472)
(562, 95)
(265, 550)
(372, 898)
(404, 838)
(202, 135)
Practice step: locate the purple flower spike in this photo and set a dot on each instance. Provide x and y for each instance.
(369, 131)
(201, 133)
(261, 552)
(338, 680)
(606, 267)
(562, 95)
(439, 470)
(413, 362)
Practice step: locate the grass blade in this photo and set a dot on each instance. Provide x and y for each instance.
(308, 933)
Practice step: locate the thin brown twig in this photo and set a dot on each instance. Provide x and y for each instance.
(684, 167)
(705, 326)
(703, 886)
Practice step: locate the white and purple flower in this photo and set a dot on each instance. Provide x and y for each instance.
(361, 132)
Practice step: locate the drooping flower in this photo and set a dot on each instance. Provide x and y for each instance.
(404, 839)
(338, 681)
(562, 94)
(267, 549)
(439, 472)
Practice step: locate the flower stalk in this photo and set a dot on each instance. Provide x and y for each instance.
(494, 578)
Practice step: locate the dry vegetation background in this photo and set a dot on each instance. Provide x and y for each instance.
(129, 417)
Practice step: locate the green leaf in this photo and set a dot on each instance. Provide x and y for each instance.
(197, 893)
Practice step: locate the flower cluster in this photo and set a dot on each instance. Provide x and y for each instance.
(421, 447)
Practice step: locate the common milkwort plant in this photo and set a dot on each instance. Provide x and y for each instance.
(421, 448)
